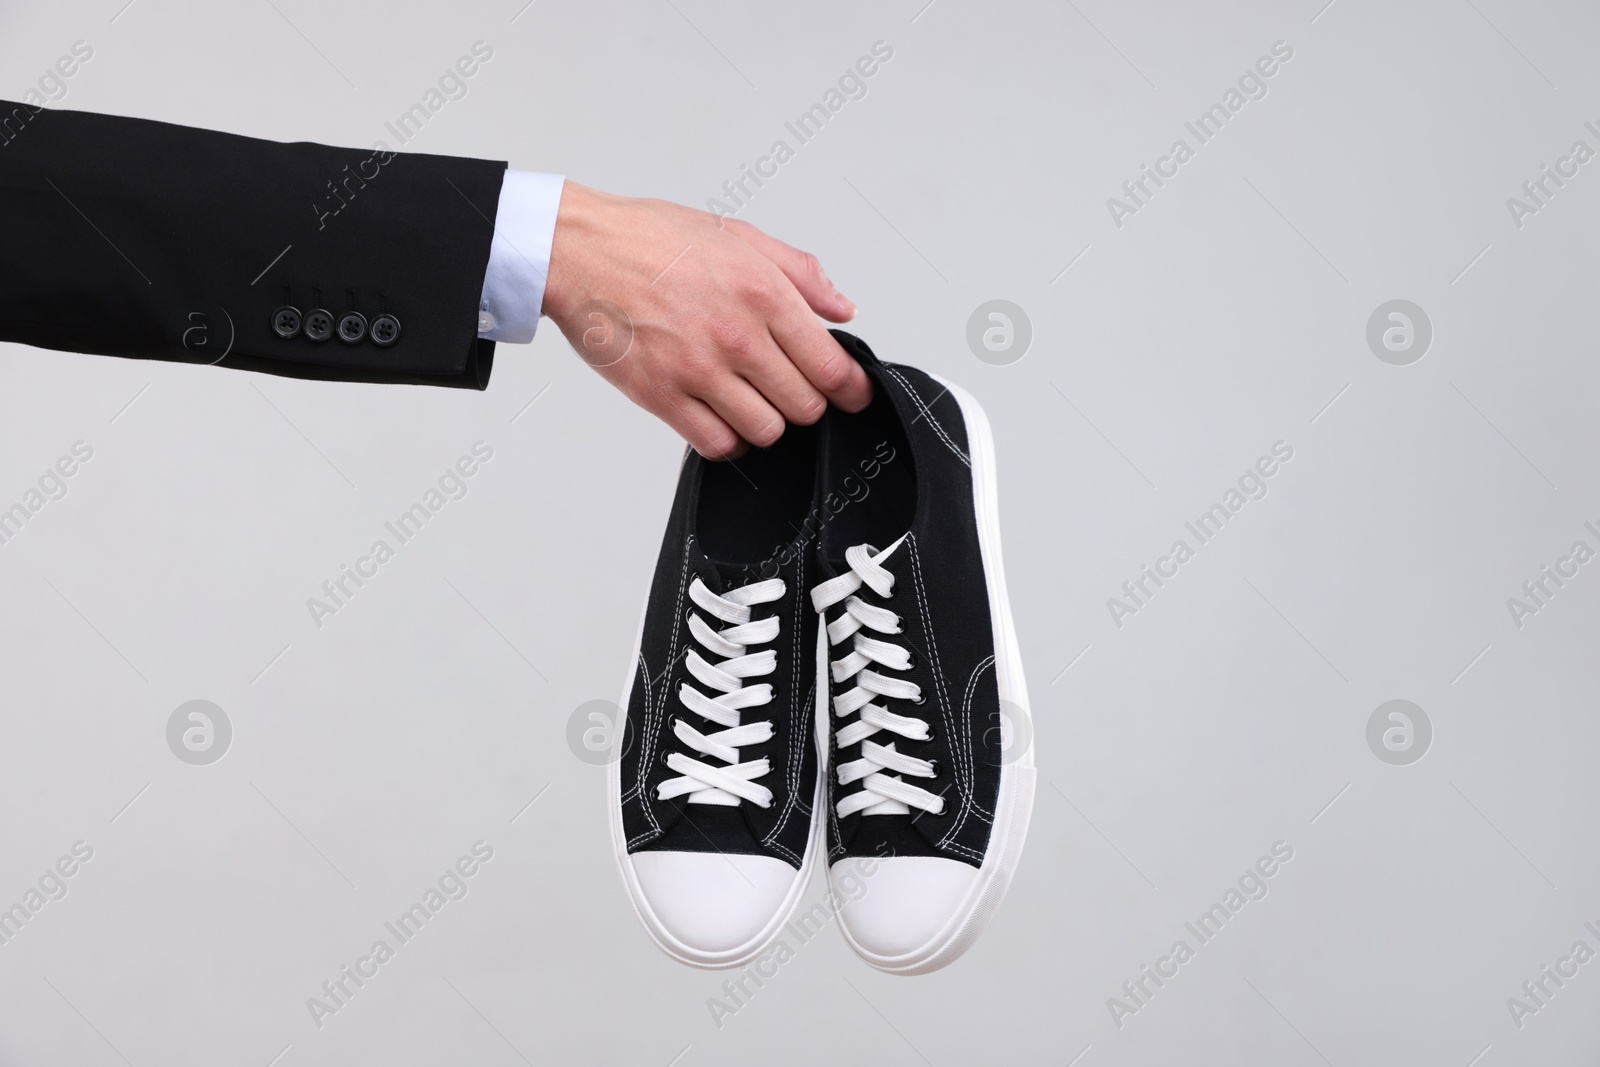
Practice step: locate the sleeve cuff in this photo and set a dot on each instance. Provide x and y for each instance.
(519, 256)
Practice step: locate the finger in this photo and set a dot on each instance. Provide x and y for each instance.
(803, 270)
(747, 411)
(815, 354)
(705, 431)
(776, 378)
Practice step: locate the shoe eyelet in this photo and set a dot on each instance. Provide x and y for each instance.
(911, 661)
(933, 763)
(930, 737)
(921, 699)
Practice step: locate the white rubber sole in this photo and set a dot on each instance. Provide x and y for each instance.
(740, 955)
(1014, 806)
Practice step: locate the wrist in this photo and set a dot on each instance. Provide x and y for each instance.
(577, 223)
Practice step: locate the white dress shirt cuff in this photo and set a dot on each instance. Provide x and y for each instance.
(519, 256)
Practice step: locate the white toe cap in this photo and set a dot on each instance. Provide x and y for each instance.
(712, 902)
(906, 904)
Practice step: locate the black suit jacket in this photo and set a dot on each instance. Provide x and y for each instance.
(134, 238)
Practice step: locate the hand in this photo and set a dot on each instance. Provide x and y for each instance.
(717, 335)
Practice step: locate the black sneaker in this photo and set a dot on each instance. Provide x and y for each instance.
(713, 802)
(927, 773)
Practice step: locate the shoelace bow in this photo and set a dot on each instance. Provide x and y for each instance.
(881, 792)
(706, 783)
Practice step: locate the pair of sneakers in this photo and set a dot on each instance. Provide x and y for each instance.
(827, 673)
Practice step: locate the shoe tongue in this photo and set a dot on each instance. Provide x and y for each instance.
(734, 575)
(722, 576)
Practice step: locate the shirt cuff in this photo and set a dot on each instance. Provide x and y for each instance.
(519, 256)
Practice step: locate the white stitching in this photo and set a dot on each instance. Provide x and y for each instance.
(927, 411)
(649, 732)
(970, 853)
(825, 682)
(962, 755)
(644, 676)
(802, 801)
(792, 774)
(966, 713)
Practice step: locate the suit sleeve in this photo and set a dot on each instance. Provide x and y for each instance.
(141, 239)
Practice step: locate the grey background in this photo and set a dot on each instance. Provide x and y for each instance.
(1228, 714)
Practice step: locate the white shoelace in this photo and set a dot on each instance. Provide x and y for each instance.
(881, 792)
(704, 782)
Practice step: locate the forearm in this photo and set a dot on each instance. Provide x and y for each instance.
(143, 239)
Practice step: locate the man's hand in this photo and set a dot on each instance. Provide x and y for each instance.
(706, 323)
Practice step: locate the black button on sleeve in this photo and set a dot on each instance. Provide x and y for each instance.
(385, 330)
(286, 321)
(319, 325)
(353, 328)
